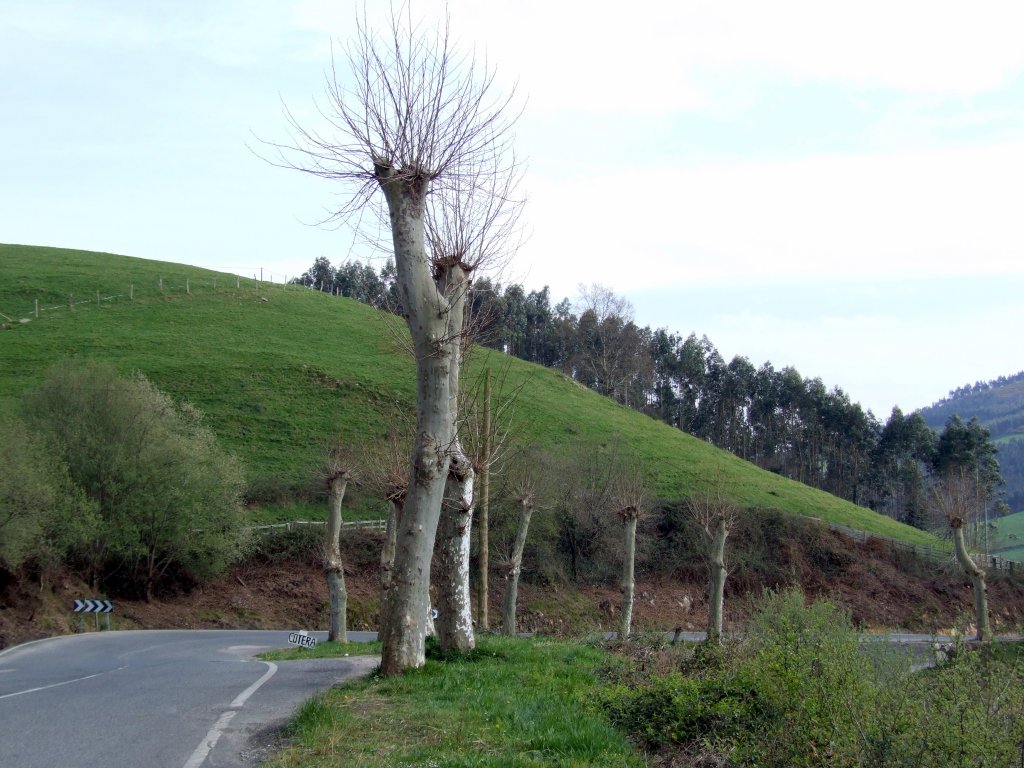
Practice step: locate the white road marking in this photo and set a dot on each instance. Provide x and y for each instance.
(241, 698)
(210, 741)
(213, 736)
(56, 685)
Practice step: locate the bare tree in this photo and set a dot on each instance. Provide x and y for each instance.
(336, 476)
(958, 498)
(425, 128)
(629, 503)
(385, 476)
(715, 517)
(487, 427)
(525, 497)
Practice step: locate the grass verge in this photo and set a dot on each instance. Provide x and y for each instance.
(511, 703)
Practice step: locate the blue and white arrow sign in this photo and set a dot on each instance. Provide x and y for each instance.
(92, 606)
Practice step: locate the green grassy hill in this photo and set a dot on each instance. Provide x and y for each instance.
(281, 371)
(1008, 540)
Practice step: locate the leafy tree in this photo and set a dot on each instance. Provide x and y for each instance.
(166, 496)
(42, 515)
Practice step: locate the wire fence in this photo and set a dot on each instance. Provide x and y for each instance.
(293, 525)
(991, 562)
(144, 289)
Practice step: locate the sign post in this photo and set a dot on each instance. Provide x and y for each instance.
(302, 639)
(93, 606)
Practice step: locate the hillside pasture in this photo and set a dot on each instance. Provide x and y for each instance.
(282, 371)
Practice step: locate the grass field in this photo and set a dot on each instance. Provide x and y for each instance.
(511, 703)
(1009, 537)
(282, 372)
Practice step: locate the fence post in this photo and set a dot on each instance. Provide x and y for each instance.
(215, 283)
(161, 285)
(187, 289)
(37, 308)
(71, 302)
(131, 291)
(238, 282)
(97, 298)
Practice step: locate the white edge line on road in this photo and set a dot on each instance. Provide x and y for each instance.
(57, 685)
(213, 736)
(210, 741)
(243, 697)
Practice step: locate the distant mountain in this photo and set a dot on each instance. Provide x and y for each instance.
(998, 405)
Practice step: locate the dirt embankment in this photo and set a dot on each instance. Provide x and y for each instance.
(881, 589)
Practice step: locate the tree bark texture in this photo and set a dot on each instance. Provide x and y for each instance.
(427, 312)
(387, 557)
(333, 565)
(628, 581)
(716, 556)
(508, 619)
(977, 577)
(483, 559)
(454, 604)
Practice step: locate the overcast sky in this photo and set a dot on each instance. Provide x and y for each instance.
(833, 186)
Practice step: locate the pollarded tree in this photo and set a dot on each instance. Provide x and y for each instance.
(629, 504)
(958, 496)
(425, 129)
(337, 474)
(715, 517)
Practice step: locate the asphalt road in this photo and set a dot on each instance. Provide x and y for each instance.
(154, 699)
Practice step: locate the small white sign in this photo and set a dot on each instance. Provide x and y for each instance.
(302, 639)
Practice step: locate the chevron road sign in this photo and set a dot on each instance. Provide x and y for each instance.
(92, 606)
(302, 639)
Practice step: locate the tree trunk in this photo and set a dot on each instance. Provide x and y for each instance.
(333, 565)
(454, 604)
(483, 558)
(428, 315)
(454, 607)
(508, 620)
(718, 573)
(977, 577)
(628, 582)
(387, 558)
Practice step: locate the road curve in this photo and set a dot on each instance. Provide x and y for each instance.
(157, 699)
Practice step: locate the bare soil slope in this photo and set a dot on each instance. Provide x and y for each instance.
(881, 589)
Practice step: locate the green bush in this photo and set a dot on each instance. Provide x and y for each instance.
(803, 690)
(165, 496)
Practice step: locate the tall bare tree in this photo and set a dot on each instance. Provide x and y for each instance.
(426, 129)
(715, 517)
(337, 474)
(958, 498)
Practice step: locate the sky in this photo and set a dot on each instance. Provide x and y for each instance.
(831, 186)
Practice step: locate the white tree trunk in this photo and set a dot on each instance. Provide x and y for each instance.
(716, 556)
(337, 595)
(977, 577)
(405, 615)
(508, 619)
(454, 606)
(628, 582)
